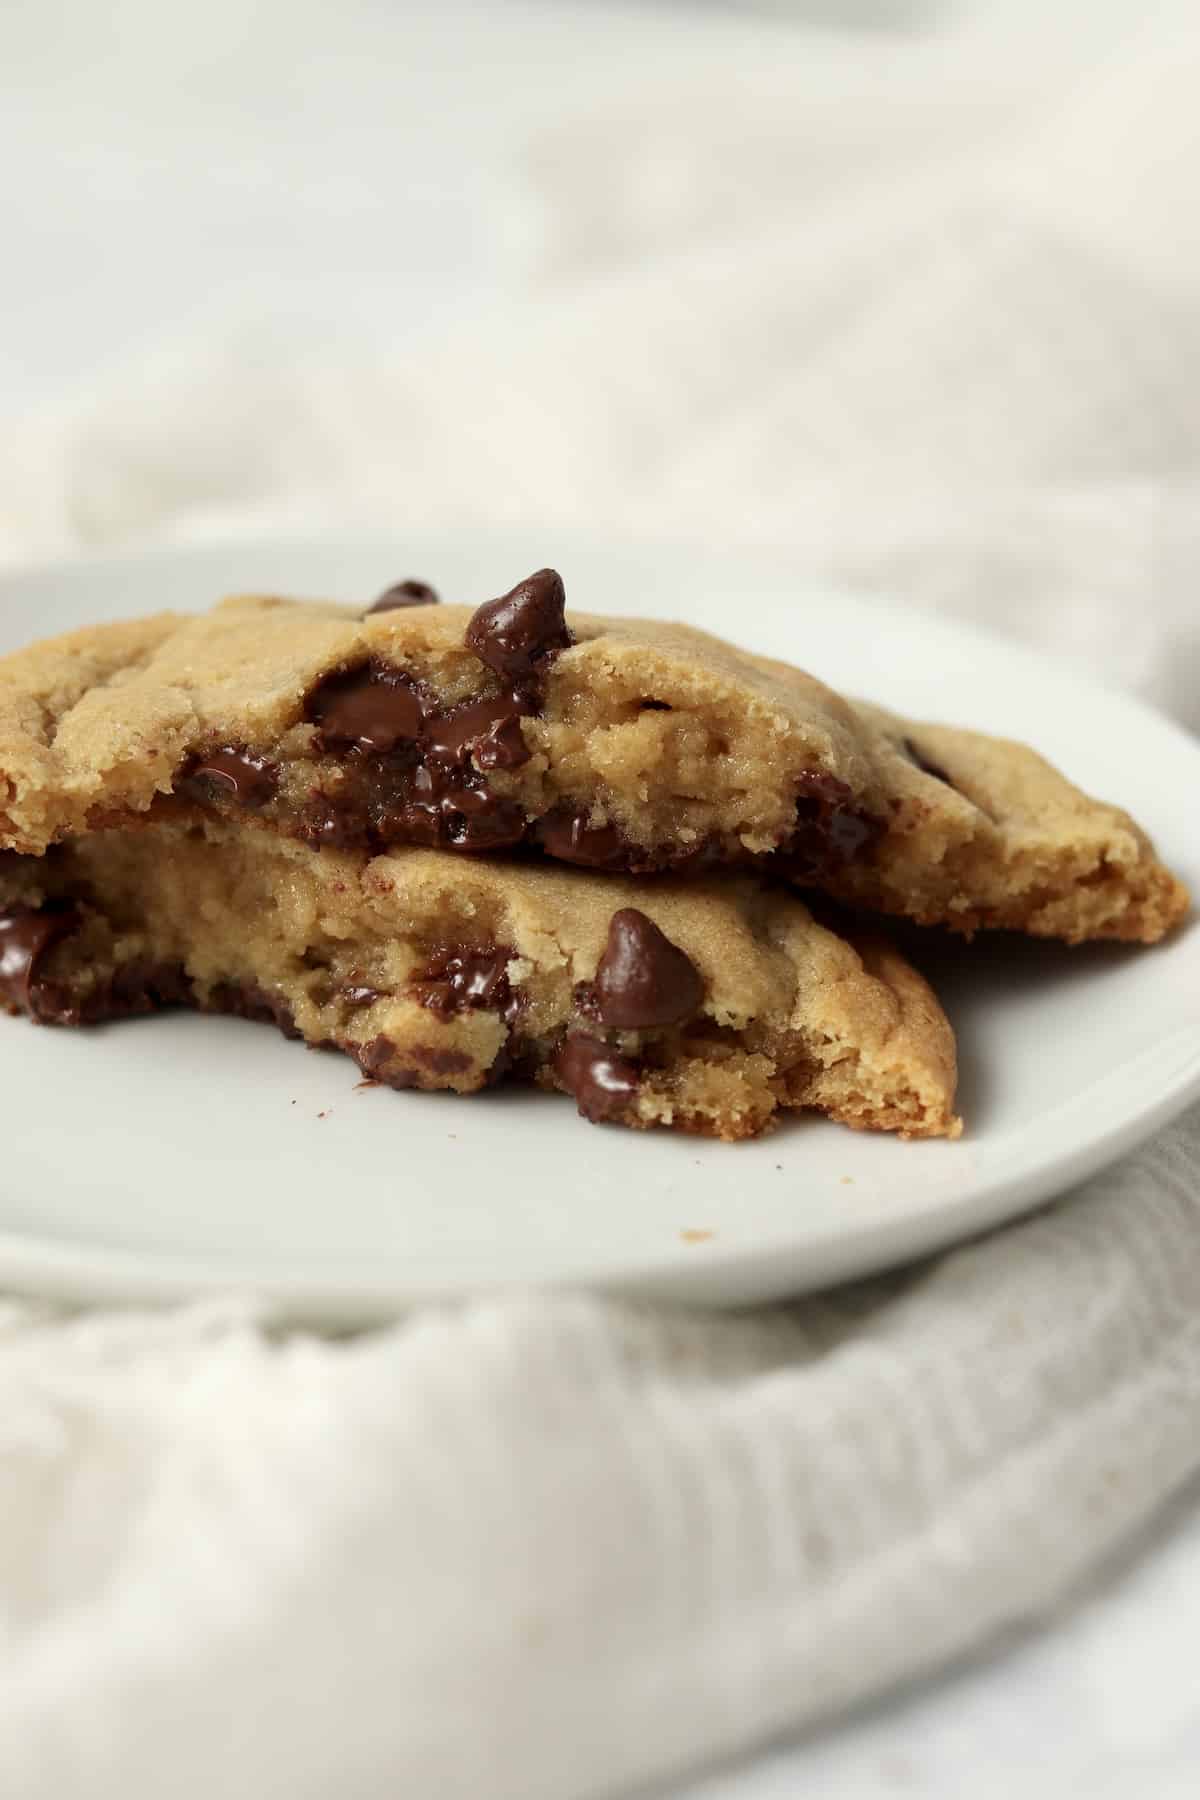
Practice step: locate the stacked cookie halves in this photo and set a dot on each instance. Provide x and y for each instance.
(466, 845)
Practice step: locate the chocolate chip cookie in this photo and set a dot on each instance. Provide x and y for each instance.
(708, 1005)
(621, 745)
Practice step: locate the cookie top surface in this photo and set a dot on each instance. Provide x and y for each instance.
(618, 743)
(244, 670)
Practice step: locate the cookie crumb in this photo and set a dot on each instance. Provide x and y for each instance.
(694, 1234)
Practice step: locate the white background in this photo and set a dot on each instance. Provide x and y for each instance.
(915, 298)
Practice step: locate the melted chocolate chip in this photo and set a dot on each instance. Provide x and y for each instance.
(139, 987)
(459, 979)
(447, 809)
(374, 1056)
(830, 830)
(237, 774)
(26, 934)
(517, 633)
(587, 1001)
(359, 996)
(373, 709)
(601, 1082)
(923, 763)
(246, 1000)
(569, 837)
(404, 593)
(487, 731)
(414, 772)
(333, 821)
(376, 1060)
(643, 979)
(478, 821)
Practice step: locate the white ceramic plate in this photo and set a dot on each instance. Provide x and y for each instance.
(176, 1155)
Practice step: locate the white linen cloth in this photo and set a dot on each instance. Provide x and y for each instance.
(921, 299)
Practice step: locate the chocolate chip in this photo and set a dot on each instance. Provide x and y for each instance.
(26, 934)
(335, 822)
(145, 986)
(848, 832)
(569, 837)
(376, 1059)
(517, 633)
(359, 996)
(601, 1082)
(138, 987)
(442, 808)
(461, 979)
(246, 1000)
(372, 709)
(414, 773)
(486, 731)
(923, 763)
(404, 593)
(373, 1056)
(239, 775)
(586, 1001)
(476, 821)
(643, 979)
(420, 803)
(830, 829)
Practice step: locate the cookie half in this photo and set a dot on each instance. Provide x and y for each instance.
(615, 744)
(708, 1005)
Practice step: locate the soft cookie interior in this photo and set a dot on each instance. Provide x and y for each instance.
(707, 1005)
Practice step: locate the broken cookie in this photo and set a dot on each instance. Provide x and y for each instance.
(618, 744)
(708, 1005)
